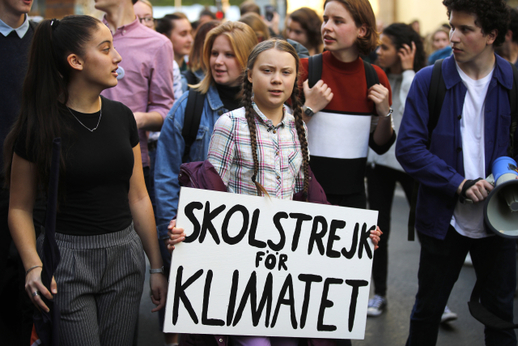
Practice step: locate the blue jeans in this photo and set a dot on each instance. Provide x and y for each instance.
(439, 268)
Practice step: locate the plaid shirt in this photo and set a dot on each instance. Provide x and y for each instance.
(278, 149)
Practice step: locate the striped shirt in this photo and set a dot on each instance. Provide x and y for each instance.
(278, 149)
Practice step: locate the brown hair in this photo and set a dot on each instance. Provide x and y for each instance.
(311, 22)
(196, 54)
(249, 6)
(242, 39)
(257, 24)
(166, 25)
(282, 46)
(362, 14)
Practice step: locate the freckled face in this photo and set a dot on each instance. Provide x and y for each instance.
(273, 78)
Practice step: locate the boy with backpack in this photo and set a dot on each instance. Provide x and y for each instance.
(450, 160)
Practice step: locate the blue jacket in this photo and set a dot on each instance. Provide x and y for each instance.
(440, 169)
(170, 150)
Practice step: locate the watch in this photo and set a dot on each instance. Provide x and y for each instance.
(308, 111)
(389, 112)
(157, 271)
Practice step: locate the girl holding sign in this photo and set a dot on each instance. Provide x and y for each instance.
(261, 149)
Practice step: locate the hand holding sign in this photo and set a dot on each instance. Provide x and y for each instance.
(176, 235)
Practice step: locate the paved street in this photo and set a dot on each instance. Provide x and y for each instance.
(391, 328)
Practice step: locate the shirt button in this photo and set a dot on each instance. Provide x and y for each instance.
(274, 131)
(220, 340)
(278, 177)
(123, 31)
(220, 112)
(459, 117)
(459, 149)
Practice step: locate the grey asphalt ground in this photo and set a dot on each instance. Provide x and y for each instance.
(391, 328)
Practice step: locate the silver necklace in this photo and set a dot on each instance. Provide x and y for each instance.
(86, 127)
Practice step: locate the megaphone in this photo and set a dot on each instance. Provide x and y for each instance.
(501, 207)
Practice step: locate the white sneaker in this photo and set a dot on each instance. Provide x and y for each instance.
(376, 306)
(448, 315)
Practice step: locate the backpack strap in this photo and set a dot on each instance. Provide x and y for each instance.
(192, 118)
(314, 69)
(370, 74)
(436, 95)
(190, 77)
(513, 101)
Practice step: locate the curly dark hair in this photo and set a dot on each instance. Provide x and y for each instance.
(400, 34)
(490, 15)
(513, 25)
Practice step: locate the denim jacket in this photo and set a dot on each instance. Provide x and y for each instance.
(170, 150)
(440, 168)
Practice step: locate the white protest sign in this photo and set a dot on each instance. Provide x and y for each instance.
(264, 266)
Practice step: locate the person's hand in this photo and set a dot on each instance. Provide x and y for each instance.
(35, 289)
(176, 235)
(375, 236)
(406, 55)
(318, 97)
(477, 192)
(380, 96)
(274, 23)
(158, 286)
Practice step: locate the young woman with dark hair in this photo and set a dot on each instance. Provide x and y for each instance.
(401, 55)
(104, 218)
(178, 29)
(303, 26)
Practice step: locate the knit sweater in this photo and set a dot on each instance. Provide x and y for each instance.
(339, 136)
(14, 59)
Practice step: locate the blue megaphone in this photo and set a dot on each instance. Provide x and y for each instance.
(501, 208)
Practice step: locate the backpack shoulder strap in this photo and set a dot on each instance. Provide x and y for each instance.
(314, 69)
(513, 101)
(192, 118)
(370, 74)
(190, 77)
(436, 95)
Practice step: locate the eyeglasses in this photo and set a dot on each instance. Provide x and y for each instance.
(145, 19)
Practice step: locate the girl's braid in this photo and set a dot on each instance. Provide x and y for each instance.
(250, 119)
(297, 113)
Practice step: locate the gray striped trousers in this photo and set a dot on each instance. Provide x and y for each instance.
(100, 280)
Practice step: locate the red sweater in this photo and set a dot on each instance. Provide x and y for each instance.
(339, 136)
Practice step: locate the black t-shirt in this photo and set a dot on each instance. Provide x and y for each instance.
(98, 167)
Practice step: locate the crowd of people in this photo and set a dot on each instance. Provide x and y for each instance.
(134, 98)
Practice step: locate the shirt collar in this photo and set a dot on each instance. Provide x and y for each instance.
(267, 121)
(20, 31)
(125, 28)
